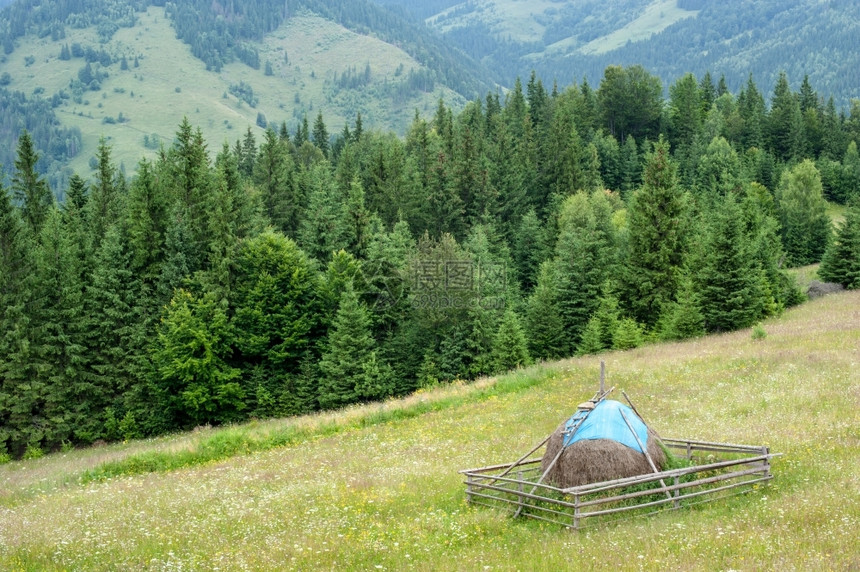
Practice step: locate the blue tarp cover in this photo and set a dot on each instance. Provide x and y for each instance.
(605, 422)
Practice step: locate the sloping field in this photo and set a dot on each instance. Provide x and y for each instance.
(656, 18)
(377, 487)
(306, 54)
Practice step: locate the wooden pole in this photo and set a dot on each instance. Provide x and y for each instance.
(644, 450)
(602, 376)
(524, 457)
(633, 407)
(543, 476)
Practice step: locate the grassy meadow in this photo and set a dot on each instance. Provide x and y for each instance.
(376, 487)
(655, 18)
(170, 83)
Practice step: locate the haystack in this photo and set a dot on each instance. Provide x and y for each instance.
(601, 448)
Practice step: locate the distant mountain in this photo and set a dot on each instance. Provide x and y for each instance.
(571, 39)
(129, 70)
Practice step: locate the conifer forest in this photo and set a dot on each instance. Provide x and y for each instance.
(302, 270)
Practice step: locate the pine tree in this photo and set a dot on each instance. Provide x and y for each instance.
(58, 317)
(28, 187)
(656, 239)
(727, 277)
(105, 201)
(320, 135)
(683, 319)
(841, 262)
(585, 259)
(600, 330)
(628, 335)
(16, 373)
(146, 220)
(510, 349)
(348, 349)
(274, 175)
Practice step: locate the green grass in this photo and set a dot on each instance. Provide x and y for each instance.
(377, 487)
(656, 18)
(836, 212)
(149, 98)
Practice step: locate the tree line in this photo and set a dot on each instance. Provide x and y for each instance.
(306, 271)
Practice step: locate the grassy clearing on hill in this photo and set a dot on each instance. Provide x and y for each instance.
(656, 18)
(384, 493)
(170, 83)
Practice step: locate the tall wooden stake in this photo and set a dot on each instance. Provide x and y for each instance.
(644, 450)
(602, 376)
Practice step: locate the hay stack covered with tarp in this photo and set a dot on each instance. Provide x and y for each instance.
(600, 447)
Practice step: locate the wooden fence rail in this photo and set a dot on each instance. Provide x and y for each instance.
(665, 490)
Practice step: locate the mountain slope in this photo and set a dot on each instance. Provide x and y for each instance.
(131, 79)
(576, 38)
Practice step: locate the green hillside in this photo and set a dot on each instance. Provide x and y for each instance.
(376, 487)
(569, 40)
(318, 59)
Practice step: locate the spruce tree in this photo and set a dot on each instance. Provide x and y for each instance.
(591, 342)
(146, 221)
(275, 305)
(324, 228)
(320, 135)
(16, 373)
(683, 319)
(348, 349)
(600, 330)
(28, 187)
(841, 262)
(376, 380)
(585, 259)
(274, 175)
(529, 250)
(628, 335)
(112, 296)
(727, 278)
(59, 343)
(105, 200)
(656, 238)
(784, 125)
(510, 349)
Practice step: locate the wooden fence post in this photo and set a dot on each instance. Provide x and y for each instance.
(677, 502)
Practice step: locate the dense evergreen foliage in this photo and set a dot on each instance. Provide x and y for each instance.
(303, 272)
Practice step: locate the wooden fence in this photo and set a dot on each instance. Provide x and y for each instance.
(725, 469)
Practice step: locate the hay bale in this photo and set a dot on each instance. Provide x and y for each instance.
(595, 460)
